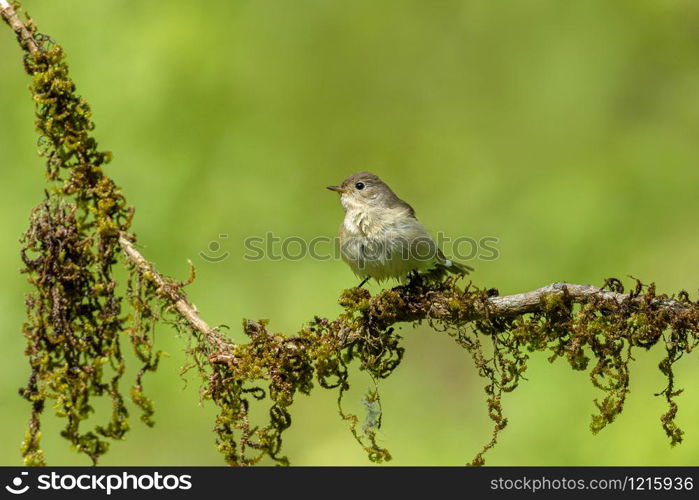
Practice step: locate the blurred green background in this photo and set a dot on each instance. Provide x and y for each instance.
(567, 130)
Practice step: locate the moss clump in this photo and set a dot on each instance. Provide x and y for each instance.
(590, 329)
(74, 314)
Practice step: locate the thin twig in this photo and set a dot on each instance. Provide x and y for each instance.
(23, 34)
(174, 294)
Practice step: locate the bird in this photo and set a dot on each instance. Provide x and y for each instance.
(380, 236)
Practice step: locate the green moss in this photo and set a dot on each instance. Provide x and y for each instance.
(74, 314)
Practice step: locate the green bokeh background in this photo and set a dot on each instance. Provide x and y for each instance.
(568, 130)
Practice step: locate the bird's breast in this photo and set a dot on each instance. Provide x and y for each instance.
(373, 224)
(360, 223)
(383, 245)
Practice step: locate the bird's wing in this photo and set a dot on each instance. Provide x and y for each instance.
(396, 202)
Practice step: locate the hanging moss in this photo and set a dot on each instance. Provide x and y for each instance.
(600, 331)
(74, 314)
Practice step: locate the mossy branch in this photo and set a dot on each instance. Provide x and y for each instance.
(25, 37)
(172, 292)
(76, 324)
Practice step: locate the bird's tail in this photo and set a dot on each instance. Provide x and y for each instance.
(457, 267)
(452, 267)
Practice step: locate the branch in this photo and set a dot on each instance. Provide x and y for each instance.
(438, 303)
(433, 305)
(24, 35)
(528, 302)
(172, 291)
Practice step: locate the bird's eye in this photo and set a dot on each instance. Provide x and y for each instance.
(359, 185)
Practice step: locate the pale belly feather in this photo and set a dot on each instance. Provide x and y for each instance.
(389, 246)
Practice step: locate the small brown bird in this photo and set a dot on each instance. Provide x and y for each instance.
(380, 236)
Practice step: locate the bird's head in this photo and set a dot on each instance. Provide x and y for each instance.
(363, 190)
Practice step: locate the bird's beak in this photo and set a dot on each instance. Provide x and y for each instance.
(339, 189)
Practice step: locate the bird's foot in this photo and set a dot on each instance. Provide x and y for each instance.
(363, 281)
(415, 279)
